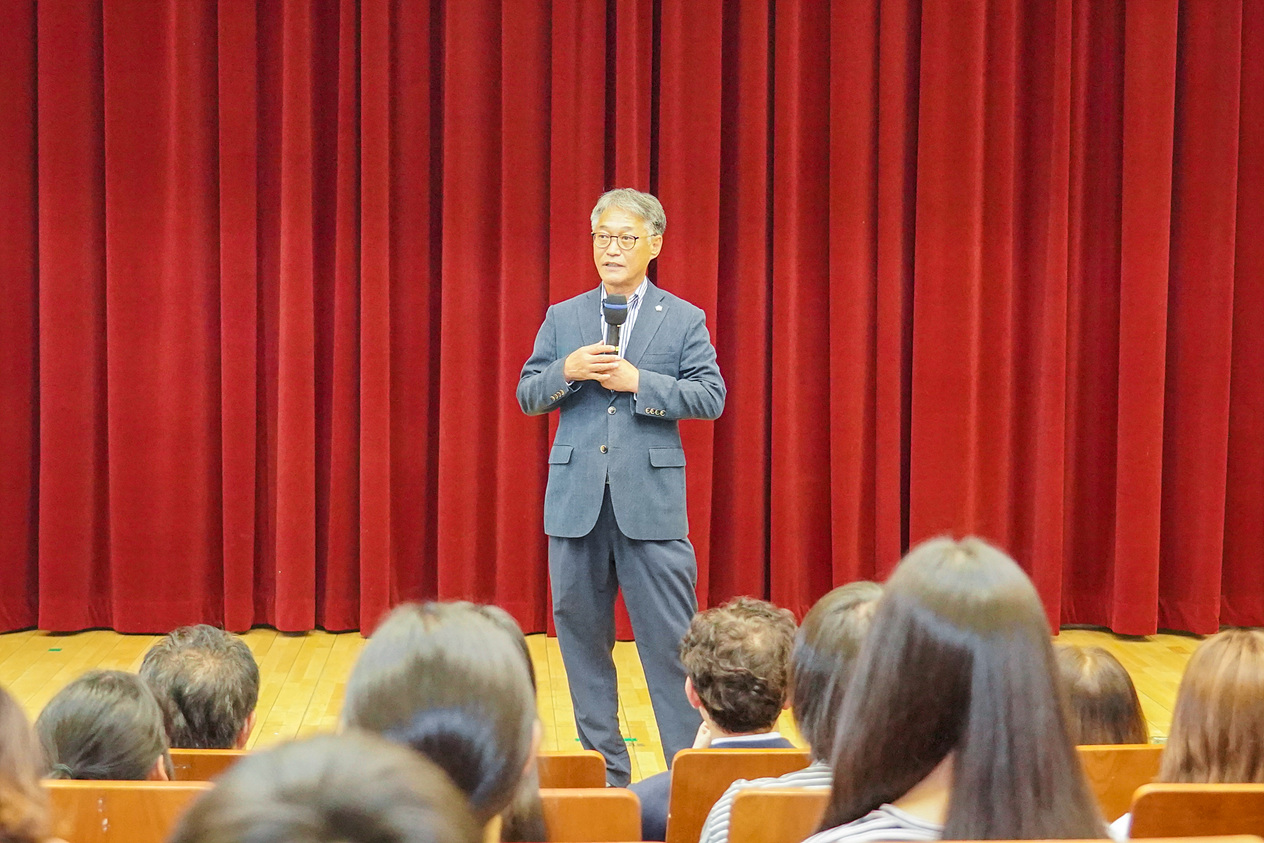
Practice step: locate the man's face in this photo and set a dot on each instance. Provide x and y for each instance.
(621, 270)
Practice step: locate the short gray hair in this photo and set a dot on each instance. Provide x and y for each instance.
(207, 682)
(644, 205)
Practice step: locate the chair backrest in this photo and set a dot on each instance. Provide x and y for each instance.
(590, 814)
(700, 776)
(580, 768)
(118, 812)
(1179, 810)
(1115, 772)
(202, 765)
(776, 814)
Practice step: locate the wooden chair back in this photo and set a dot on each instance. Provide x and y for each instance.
(118, 812)
(590, 814)
(580, 768)
(1115, 772)
(776, 815)
(700, 776)
(202, 765)
(1180, 810)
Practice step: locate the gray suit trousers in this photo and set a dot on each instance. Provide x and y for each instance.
(658, 579)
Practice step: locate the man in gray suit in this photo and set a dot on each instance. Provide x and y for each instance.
(614, 507)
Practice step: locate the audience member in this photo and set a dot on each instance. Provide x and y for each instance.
(825, 651)
(23, 802)
(1218, 718)
(104, 725)
(737, 675)
(207, 682)
(958, 732)
(449, 682)
(1103, 704)
(350, 788)
(523, 820)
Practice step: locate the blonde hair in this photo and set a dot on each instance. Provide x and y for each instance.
(23, 802)
(1218, 722)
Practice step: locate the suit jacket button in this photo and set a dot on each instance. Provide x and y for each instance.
(604, 449)
(610, 409)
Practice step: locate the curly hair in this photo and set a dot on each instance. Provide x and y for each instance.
(737, 657)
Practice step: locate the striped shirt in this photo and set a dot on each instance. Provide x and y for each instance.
(883, 823)
(634, 307)
(716, 829)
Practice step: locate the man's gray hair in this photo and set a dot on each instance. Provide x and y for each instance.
(207, 683)
(644, 205)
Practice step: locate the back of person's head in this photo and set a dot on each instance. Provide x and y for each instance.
(23, 802)
(451, 683)
(104, 725)
(825, 651)
(737, 657)
(1218, 720)
(207, 682)
(523, 819)
(1102, 701)
(958, 666)
(505, 621)
(348, 788)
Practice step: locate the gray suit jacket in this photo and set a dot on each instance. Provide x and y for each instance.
(635, 440)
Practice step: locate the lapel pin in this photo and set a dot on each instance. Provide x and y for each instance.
(658, 307)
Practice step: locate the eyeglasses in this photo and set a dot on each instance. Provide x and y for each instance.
(626, 241)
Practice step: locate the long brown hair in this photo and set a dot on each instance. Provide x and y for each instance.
(23, 802)
(1101, 699)
(1218, 722)
(825, 650)
(958, 662)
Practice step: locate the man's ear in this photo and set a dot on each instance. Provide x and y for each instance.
(656, 245)
(243, 737)
(158, 772)
(692, 695)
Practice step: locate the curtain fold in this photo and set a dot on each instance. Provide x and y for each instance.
(270, 271)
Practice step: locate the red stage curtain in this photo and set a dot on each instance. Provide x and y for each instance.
(269, 272)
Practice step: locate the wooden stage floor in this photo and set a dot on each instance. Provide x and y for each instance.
(303, 677)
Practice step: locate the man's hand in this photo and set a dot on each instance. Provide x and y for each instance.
(702, 740)
(623, 378)
(591, 363)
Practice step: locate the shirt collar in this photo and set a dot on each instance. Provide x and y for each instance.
(762, 736)
(638, 293)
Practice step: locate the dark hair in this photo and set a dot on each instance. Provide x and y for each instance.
(959, 662)
(206, 681)
(523, 820)
(738, 658)
(1102, 703)
(104, 725)
(825, 651)
(353, 787)
(23, 802)
(450, 683)
(1218, 719)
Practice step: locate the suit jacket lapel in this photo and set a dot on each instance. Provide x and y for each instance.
(590, 317)
(648, 317)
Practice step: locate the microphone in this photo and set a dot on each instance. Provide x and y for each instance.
(615, 310)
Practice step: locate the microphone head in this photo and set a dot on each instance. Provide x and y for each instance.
(615, 309)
